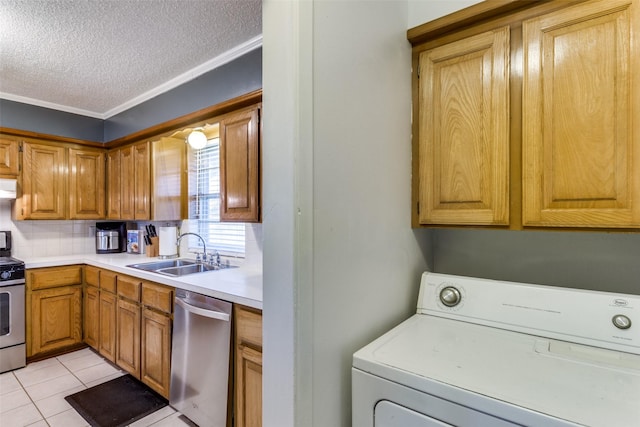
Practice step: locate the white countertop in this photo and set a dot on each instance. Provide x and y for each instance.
(242, 285)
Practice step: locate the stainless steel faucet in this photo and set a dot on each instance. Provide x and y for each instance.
(204, 245)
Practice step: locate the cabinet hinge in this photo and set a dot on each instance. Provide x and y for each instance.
(418, 207)
(20, 148)
(418, 72)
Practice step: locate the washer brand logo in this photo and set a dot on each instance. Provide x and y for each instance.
(620, 302)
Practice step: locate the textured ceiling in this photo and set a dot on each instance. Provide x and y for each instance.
(100, 57)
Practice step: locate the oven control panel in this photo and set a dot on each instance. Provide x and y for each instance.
(11, 273)
(600, 319)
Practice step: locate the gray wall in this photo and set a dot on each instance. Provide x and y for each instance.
(341, 263)
(589, 260)
(21, 116)
(241, 76)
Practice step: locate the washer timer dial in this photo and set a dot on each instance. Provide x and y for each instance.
(450, 296)
(621, 321)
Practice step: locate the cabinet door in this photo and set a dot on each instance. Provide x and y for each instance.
(142, 183)
(56, 318)
(128, 337)
(114, 183)
(8, 156)
(581, 156)
(240, 167)
(127, 183)
(92, 316)
(86, 184)
(169, 179)
(249, 377)
(156, 351)
(248, 367)
(108, 314)
(43, 182)
(463, 127)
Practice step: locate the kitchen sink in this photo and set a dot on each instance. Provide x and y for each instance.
(178, 267)
(157, 265)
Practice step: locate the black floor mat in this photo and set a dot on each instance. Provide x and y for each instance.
(116, 403)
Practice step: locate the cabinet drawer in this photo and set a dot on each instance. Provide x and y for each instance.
(248, 326)
(52, 277)
(108, 281)
(91, 276)
(157, 296)
(129, 287)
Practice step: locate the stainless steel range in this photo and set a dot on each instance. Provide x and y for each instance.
(12, 316)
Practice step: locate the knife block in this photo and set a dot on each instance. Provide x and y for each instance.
(153, 249)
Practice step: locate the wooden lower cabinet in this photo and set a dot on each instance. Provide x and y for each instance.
(248, 367)
(54, 308)
(100, 311)
(129, 322)
(57, 319)
(128, 337)
(91, 325)
(108, 314)
(156, 351)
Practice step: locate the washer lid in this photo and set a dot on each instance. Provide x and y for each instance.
(578, 383)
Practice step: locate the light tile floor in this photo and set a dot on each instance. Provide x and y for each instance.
(34, 395)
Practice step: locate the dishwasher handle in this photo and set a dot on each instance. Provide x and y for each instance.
(212, 314)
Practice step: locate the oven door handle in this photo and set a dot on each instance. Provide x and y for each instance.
(12, 282)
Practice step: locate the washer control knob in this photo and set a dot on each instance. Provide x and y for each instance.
(621, 321)
(5, 275)
(450, 296)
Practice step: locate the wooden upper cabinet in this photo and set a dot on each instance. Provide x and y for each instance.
(142, 184)
(61, 182)
(8, 156)
(127, 183)
(86, 184)
(527, 114)
(114, 180)
(169, 179)
(581, 116)
(240, 166)
(43, 182)
(463, 128)
(134, 186)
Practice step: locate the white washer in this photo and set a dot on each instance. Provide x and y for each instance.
(492, 353)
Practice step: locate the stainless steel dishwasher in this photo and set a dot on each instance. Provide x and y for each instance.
(200, 358)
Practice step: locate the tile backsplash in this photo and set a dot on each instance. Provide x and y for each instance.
(75, 237)
(47, 238)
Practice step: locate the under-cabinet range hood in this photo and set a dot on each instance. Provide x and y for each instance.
(8, 188)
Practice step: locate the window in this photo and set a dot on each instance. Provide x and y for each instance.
(204, 204)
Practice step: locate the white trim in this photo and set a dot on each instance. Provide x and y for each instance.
(216, 62)
(50, 105)
(212, 64)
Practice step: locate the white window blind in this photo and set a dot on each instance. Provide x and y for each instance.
(204, 204)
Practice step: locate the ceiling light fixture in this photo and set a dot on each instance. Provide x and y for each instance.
(197, 139)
